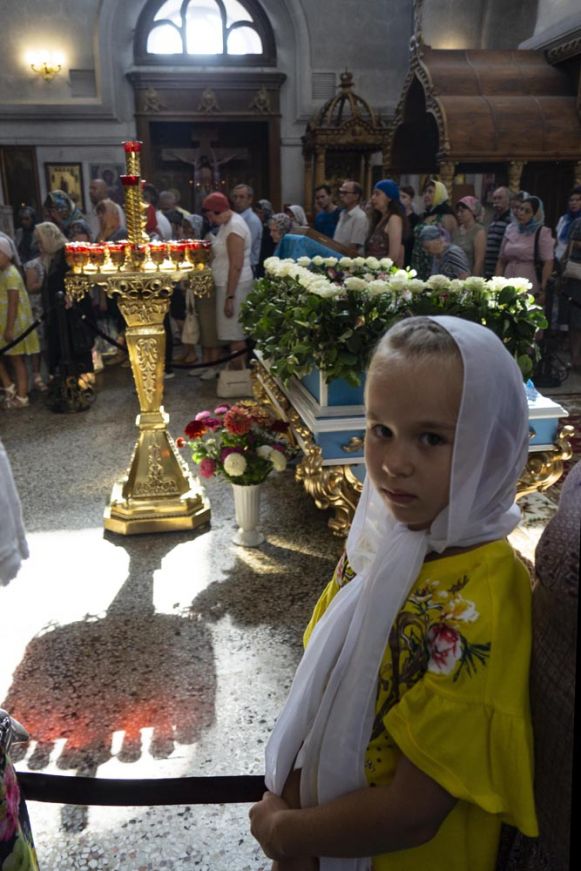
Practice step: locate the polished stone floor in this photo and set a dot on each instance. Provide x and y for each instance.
(156, 655)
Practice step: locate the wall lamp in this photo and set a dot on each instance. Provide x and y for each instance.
(46, 64)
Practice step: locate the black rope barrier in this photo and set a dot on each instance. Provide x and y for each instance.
(62, 789)
(99, 332)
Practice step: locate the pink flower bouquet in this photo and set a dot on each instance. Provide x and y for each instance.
(243, 443)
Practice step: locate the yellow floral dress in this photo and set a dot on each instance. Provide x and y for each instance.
(10, 280)
(453, 698)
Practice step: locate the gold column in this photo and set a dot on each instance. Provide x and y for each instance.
(320, 166)
(515, 170)
(447, 170)
(309, 187)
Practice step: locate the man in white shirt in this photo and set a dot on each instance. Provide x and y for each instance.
(98, 191)
(242, 196)
(352, 227)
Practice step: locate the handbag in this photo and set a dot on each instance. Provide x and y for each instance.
(191, 328)
(572, 270)
(234, 382)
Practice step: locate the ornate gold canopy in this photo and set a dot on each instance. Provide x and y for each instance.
(340, 140)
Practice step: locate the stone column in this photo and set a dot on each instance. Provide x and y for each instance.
(577, 172)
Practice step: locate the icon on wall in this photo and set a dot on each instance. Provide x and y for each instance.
(67, 177)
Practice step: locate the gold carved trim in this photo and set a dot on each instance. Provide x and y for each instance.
(146, 352)
(544, 468)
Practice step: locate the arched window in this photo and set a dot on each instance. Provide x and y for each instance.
(224, 32)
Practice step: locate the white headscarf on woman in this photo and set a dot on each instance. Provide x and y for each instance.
(330, 708)
(299, 216)
(51, 240)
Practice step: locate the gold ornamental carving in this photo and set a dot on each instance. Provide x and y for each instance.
(515, 171)
(152, 101)
(146, 353)
(261, 102)
(544, 468)
(157, 493)
(208, 102)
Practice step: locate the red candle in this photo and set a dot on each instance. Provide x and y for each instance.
(132, 146)
(129, 180)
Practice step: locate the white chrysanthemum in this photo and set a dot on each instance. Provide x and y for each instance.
(346, 262)
(474, 282)
(377, 287)
(359, 261)
(235, 465)
(457, 286)
(278, 461)
(497, 282)
(264, 452)
(372, 263)
(270, 264)
(353, 283)
(318, 260)
(302, 261)
(521, 284)
(438, 282)
(386, 262)
(416, 285)
(330, 261)
(399, 280)
(325, 289)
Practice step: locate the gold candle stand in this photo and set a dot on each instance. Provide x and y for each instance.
(157, 493)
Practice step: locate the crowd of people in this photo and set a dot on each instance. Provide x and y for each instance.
(451, 239)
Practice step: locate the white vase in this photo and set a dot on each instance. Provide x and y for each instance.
(247, 508)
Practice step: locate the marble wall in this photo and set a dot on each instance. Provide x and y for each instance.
(370, 38)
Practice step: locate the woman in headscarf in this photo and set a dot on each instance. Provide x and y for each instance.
(527, 250)
(75, 356)
(61, 210)
(439, 212)
(24, 235)
(471, 235)
(264, 211)
(388, 223)
(297, 216)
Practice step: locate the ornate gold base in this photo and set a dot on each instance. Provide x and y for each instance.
(157, 494)
(129, 517)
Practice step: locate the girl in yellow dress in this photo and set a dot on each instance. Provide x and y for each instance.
(15, 317)
(406, 739)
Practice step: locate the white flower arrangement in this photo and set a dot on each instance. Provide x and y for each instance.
(235, 465)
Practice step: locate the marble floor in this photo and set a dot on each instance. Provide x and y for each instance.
(155, 655)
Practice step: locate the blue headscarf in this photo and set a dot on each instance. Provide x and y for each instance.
(537, 220)
(389, 188)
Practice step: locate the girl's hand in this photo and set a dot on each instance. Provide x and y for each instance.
(8, 335)
(229, 307)
(262, 820)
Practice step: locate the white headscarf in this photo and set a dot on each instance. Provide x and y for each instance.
(13, 546)
(330, 708)
(300, 218)
(9, 248)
